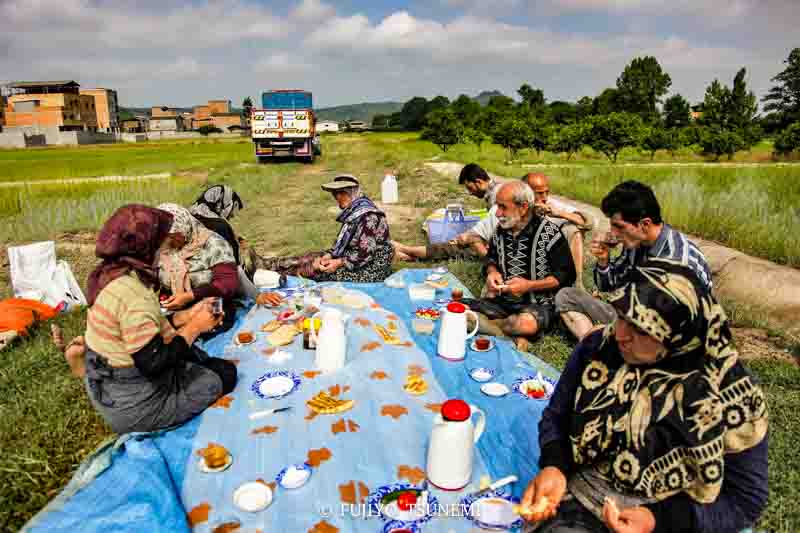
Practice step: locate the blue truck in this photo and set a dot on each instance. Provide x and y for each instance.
(285, 126)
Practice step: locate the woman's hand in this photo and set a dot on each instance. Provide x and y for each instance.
(269, 298)
(630, 520)
(332, 265)
(178, 300)
(551, 484)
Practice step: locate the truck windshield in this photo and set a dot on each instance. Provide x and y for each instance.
(286, 100)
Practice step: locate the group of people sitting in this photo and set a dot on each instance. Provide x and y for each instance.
(654, 424)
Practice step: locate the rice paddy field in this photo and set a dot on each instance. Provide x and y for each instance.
(47, 425)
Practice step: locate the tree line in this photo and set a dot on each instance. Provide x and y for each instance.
(634, 113)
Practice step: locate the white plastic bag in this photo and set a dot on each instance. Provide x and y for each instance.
(36, 275)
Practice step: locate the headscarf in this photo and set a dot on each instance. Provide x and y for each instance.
(129, 241)
(218, 201)
(660, 429)
(174, 262)
(349, 217)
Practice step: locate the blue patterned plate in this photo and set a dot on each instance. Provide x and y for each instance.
(488, 506)
(299, 476)
(390, 512)
(275, 385)
(396, 526)
(522, 385)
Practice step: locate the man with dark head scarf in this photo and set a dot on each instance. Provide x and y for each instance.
(657, 414)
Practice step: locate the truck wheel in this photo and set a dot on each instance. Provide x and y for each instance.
(309, 160)
(261, 160)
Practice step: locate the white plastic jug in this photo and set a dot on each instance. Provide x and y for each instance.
(389, 194)
(452, 445)
(331, 340)
(453, 332)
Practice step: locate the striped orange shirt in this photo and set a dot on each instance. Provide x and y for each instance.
(124, 318)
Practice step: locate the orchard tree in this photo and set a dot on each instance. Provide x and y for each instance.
(641, 86)
(467, 110)
(608, 102)
(512, 133)
(788, 140)
(532, 98)
(584, 108)
(412, 115)
(718, 141)
(657, 138)
(609, 134)
(784, 97)
(562, 112)
(476, 137)
(443, 128)
(247, 108)
(570, 139)
(677, 112)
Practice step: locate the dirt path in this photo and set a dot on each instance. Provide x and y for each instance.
(64, 181)
(758, 283)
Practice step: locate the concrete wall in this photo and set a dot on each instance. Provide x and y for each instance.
(40, 136)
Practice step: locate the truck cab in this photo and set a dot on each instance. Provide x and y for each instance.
(285, 126)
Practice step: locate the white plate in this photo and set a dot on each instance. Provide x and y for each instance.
(252, 497)
(205, 468)
(494, 389)
(276, 386)
(434, 277)
(474, 348)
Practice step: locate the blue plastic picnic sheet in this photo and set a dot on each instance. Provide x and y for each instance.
(149, 482)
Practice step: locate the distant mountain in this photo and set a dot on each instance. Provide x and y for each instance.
(485, 96)
(364, 111)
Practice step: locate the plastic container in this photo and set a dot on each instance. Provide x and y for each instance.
(452, 224)
(422, 326)
(389, 194)
(421, 291)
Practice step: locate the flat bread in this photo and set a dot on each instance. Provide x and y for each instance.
(283, 335)
(271, 326)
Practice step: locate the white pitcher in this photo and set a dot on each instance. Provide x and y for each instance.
(453, 333)
(331, 341)
(389, 193)
(452, 445)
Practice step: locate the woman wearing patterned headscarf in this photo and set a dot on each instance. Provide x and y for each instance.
(196, 263)
(215, 208)
(362, 252)
(657, 415)
(141, 373)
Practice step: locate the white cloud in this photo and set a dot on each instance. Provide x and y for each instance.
(178, 53)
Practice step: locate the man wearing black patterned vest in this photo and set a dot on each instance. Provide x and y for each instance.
(529, 260)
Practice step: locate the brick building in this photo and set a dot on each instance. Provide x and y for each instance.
(106, 107)
(165, 119)
(50, 104)
(215, 113)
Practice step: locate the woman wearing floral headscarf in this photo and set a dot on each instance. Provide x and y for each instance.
(656, 414)
(196, 263)
(215, 208)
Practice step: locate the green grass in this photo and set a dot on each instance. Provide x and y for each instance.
(47, 425)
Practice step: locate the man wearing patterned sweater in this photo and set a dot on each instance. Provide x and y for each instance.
(528, 261)
(635, 217)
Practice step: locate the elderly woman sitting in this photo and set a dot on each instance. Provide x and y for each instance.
(196, 263)
(362, 252)
(654, 425)
(215, 208)
(141, 374)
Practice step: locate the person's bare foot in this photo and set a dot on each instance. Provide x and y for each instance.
(75, 353)
(522, 344)
(402, 256)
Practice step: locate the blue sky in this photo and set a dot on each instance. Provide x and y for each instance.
(173, 52)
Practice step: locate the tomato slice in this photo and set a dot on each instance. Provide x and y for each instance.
(406, 501)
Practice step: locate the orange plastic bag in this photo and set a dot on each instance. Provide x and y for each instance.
(18, 314)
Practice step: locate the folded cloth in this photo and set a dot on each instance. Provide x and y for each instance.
(18, 314)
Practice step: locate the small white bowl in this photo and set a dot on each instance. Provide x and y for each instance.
(252, 497)
(434, 277)
(494, 389)
(481, 375)
(294, 476)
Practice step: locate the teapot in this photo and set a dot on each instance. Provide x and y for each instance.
(452, 445)
(331, 340)
(453, 333)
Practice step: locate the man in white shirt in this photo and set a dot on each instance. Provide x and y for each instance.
(573, 223)
(473, 242)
